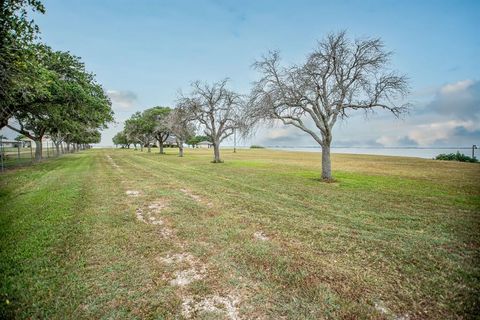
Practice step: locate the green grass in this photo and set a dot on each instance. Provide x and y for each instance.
(401, 233)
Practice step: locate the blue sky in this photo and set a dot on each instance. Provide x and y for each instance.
(143, 52)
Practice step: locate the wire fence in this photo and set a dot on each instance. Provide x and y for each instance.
(17, 154)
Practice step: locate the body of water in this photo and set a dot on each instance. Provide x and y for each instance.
(427, 153)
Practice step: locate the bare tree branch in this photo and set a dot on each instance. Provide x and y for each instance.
(338, 77)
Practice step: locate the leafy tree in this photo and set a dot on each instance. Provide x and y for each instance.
(17, 32)
(140, 129)
(74, 102)
(194, 140)
(121, 139)
(161, 130)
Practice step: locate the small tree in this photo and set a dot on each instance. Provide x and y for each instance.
(179, 124)
(156, 117)
(217, 109)
(339, 76)
(140, 130)
(121, 139)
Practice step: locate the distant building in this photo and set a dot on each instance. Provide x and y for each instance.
(204, 144)
(171, 141)
(10, 143)
(46, 142)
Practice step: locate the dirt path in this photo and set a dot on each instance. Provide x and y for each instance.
(184, 269)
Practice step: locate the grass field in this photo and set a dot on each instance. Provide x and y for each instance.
(118, 234)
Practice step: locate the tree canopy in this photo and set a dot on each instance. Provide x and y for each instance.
(17, 33)
(218, 110)
(338, 77)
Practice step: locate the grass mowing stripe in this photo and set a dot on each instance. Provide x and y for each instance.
(283, 199)
(39, 234)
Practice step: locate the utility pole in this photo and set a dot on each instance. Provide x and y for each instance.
(473, 150)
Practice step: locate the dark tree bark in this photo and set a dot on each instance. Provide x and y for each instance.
(36, 138)
(38, 149)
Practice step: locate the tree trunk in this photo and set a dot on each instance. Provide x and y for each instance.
(326, 164)
(149, 148)
(38, 150)
(180, 147)
(57, 146)
(216, 152)
(160, 146)
(63, 150)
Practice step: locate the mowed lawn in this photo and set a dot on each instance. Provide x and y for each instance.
(121, 234)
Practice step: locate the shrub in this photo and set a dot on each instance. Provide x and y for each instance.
(254, 146)
(455, 157)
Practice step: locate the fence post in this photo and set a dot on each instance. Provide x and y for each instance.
(31, 151)
(1, 154)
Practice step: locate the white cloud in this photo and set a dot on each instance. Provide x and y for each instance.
(122, 100)
(460, 100)
(457, 87)
(429, 134)
(387, 140)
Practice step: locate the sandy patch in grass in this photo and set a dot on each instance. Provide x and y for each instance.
(380, 307)
(112, 162)
(166, 232)
(132, 193)
(146, 215)
(259, 235)
(196, 197)
(185, 277)
(213, 303)
(139, 215)
(157, 206)
(178, 258)
(195, 270)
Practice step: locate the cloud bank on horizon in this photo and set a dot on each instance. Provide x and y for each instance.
(448, 118)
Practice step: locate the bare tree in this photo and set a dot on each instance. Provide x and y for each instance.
(217, 109)
(339, 76)
(179, 123)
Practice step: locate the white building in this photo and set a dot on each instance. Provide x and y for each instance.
(204, 144)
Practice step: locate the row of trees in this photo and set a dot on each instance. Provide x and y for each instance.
(44, 91)
(216, 109)
(338, 77)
